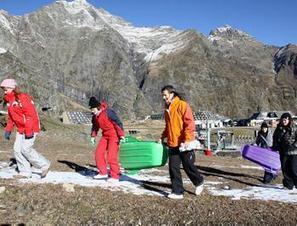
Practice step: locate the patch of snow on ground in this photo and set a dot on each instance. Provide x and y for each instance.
(141, 184)
(266, 193)
(251, 167)
(128, 183)
(242, 166)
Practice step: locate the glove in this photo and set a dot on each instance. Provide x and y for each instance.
(122, 139)
(28, 137)
(93, 140)
(183, 147)
(7, 135)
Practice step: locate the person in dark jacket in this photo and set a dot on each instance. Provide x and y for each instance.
(107, 149)
(285, 141)
(264, 140)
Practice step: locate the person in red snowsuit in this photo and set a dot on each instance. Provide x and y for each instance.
(22, 114)
(107, 149)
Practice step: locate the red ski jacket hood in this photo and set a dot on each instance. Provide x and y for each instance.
(103, 105)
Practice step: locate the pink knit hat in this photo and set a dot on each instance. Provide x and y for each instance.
(8, 83)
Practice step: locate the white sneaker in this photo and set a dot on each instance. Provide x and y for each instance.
(100, 176)
(199, 189)
(44, 171)
(175, 196)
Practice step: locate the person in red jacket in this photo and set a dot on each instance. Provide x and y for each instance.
(107, 120)
(23, 115)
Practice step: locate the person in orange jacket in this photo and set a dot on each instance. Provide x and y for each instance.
(179, 131)
(23, 115)
(107, 149)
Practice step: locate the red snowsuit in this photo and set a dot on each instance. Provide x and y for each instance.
(22, 114)
(112, 130)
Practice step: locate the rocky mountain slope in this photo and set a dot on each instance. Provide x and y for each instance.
(67, 51)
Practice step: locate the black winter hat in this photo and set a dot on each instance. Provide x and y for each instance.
(286, 115)
(264, 125)
(93, 102)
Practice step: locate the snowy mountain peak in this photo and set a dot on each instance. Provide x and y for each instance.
(144, 40)
(76, 3)
(75, 6)
(4, 21)
(151, 42)
(226, 28)
(227, 32)
(3, 11)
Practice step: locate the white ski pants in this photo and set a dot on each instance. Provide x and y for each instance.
(26, 155)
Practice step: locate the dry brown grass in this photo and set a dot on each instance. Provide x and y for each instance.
(34, 204)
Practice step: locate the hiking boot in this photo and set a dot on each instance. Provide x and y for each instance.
(199, 189)
(175, 196)
(100, 176)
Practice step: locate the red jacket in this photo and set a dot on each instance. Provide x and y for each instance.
(108, 122)
(22, 114)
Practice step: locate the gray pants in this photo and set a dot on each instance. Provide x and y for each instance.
(26, 155)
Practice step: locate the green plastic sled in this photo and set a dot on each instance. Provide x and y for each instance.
(136, 155)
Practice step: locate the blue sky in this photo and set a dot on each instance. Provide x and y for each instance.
(269, 21)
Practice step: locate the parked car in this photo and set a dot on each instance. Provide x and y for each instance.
(247, 121)
(257, 118)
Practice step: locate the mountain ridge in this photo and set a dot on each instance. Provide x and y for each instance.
(83, 51)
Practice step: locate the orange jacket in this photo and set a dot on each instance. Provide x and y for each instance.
(180, 125)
